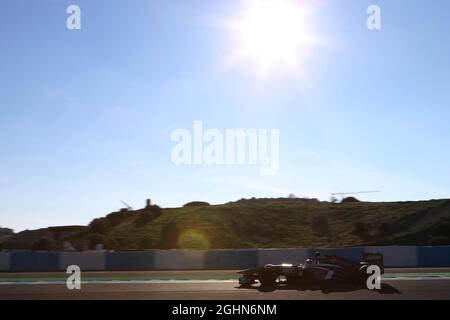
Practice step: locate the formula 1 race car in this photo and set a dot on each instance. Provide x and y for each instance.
(329, 269)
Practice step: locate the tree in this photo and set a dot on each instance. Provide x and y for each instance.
(439, 241)
(5, 233)
(361, 231)
(115, 218)
(155, 209)
(196, 204)
(320, 226)
(43, 244)
(169, 236)
(95, 239)
(143, 217)
(145, 243)
(384, 229)
(147, 214)
(350, 200)
(97, 226)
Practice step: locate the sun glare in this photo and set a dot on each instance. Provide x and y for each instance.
(273, 33)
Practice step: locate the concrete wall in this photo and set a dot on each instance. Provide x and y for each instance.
(398, 256)
(433, 256)
(130, 260)
(277, 256)
(23, 261)
(4, 261)
(231, 259)
(354, 254)
(87, 261)
(179, 259)
(29, 261)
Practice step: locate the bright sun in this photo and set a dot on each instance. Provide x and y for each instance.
(273, 33)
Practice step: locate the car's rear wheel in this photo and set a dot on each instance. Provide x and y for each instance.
(268, 278)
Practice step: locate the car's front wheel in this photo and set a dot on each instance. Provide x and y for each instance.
(268, 277)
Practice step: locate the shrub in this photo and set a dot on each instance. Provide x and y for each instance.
(145, 243)
(6, 232)
(97, 226)
(169, 236)
(95, 239)
(196, 204)
(361, 231)
(143, 217)
(43, 244)
(147, 214)
(155, 209)
(349, 200)
(384, 229)
(439, 241)
(116, 218)
(320, 226)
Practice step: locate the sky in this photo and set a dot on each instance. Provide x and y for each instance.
(86, 116)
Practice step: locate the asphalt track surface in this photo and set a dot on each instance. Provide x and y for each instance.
(426, 284)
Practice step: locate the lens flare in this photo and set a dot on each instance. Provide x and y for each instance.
(193, 239)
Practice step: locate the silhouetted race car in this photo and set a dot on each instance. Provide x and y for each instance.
(329, 269)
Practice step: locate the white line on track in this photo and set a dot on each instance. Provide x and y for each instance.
(415, 278)
(120, 282)
(432, 278)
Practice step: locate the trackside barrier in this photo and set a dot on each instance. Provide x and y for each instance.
(130, 260)
(278, 256)
(354, 254)
(179, 259)
(397, 256)
(4, 261)
(29, 261)
(87, 261)
(231, 259)
(433, 256)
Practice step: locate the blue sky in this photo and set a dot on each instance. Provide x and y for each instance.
(86, 115)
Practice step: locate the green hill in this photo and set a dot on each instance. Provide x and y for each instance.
(265, 223)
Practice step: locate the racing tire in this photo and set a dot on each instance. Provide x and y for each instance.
(268, 278)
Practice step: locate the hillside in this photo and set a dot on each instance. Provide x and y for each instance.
(5, 233)
(267, 223)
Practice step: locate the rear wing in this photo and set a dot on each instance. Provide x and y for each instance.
(373, 258)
